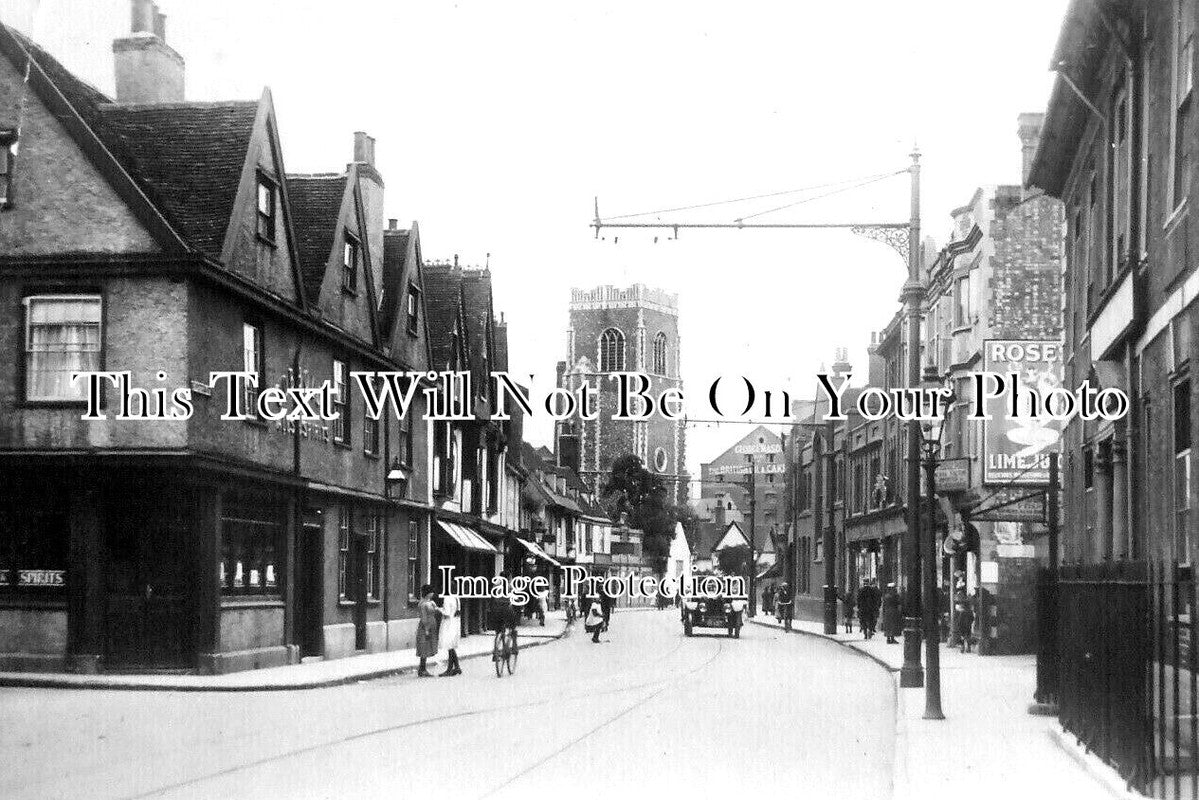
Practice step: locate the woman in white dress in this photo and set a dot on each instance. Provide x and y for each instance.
(449, 633)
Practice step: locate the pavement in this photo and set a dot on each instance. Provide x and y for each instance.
(988, 745)
(309, 675)
(647, 712)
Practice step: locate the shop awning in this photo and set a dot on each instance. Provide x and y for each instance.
(465, 537)
(536, 550)
(772, 571)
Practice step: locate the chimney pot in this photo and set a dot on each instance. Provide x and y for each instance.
(160, 25)
(393, 224)
(147, 69)
(455, 259)
(142, 16)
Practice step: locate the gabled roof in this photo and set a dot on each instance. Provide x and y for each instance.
(316, 210)
(395, 264)
(476, 298)
(443, 310)
(185, 158)
(189, 156)
(733, 536)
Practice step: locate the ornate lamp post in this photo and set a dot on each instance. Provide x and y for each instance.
(931, 442)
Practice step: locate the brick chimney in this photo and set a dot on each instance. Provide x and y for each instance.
(147, 69)
(371, 183)
(1028, 127)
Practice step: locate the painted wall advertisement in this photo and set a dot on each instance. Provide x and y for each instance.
(1016, 448)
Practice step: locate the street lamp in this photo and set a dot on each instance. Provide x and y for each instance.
(931, 441)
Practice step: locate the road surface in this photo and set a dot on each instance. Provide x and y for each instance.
(646, 711)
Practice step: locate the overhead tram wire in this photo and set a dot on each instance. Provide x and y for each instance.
(864, 182)
(854, 181)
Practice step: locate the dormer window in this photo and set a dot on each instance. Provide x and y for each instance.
(266, 208)
(413, 309)
(350, 254)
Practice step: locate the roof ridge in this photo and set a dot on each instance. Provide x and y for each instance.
(113, 105)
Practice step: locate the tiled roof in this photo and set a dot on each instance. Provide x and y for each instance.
(395, 253)
(443, 297)
(190, 156)
(186, 157)
(476, 297)
(315, 210)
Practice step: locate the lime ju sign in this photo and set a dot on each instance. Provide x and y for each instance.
(1016, 447)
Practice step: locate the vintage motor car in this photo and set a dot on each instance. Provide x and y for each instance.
(702, 611)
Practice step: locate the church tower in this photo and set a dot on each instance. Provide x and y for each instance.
(634, 329)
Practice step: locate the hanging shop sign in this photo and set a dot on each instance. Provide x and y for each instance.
(1017, 442)
(1011, 505)
(953, 475)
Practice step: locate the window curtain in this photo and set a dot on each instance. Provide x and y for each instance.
(63, 338)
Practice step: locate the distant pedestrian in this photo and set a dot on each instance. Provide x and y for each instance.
(868, 603)
(785, 605)
(594, 622)
(426, 630)
(891, 617)
(607, 603)
(768, 595)
(964, 620)
(449, 632)
(847, 600)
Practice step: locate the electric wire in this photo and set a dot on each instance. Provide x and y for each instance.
(869, 178)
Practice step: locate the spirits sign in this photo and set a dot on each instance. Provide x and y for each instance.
(1017, 440)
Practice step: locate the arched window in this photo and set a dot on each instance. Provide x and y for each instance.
(660, 354)
(611, 351)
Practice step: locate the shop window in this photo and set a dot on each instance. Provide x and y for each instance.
(266, 209)
(62, 336)
(374, 527)
(250, 550)
(33, 550)
(341, 402)
(413, 558)
(343, 551)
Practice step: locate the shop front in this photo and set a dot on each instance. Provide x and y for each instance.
(461, 546)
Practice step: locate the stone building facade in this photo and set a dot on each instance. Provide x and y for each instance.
(632, 329)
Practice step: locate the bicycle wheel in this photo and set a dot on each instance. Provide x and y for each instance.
(498, 647)
(512, 652)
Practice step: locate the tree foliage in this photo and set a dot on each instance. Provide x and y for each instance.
(645, 499)
(733, 560)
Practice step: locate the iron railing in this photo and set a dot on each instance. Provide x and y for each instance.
(1126, 677)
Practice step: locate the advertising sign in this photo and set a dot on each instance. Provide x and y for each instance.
(953, 475)
(756, 449)
(1016, 447)
(1011, 505)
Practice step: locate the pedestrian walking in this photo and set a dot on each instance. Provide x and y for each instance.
(868, 604)
(768, 595)
(429, 616)
(964, 620)
(785, 603)
(607, 603)
(594, 622)
(449, 632)
(847, 600)
(891, 617)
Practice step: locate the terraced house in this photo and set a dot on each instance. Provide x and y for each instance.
(164, 238)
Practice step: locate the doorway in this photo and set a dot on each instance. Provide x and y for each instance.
(310, 584)
(147, 575)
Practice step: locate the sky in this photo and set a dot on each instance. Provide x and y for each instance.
(499, 123)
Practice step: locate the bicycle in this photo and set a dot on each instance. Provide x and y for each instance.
(504, 650)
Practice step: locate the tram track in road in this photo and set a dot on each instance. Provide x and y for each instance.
(641, 702)
(548, 694)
